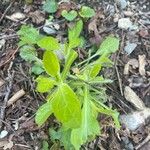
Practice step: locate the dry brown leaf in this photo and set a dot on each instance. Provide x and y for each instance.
(142, 63)
(132, 97)
(132, 62)
(37, 16)
(17, 16)
(6, 145)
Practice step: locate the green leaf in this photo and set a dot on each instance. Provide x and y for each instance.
(45, 145)
(28, 35)
(44, 84)
(74, 32)
(63, 136)
(66, 106)
(50, 6)
(95, 70)
(69, 60)
(86, 12)
(109, 45)
(51, 63)
(43, 113)
(28, 53)
(71, 15)
(99, 80)
(37, 68)
(89, 127)
(49, 43)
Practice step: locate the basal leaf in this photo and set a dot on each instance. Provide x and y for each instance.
(95, 70)
(49, 43)
(89, 127)
(66, 107)
(37, 68)
(86, 12)
(43, 113)
(109, 45)
(28, 53)
(50, 6)
(44, 84)
(71, 15)
(28, 35)
(75, 31)
(51, 63)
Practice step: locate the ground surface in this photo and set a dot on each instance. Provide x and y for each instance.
(132, 68)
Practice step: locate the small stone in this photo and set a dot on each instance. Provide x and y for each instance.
(49, 30)
(122, 3)
(3, 134)
(130, 47)
(128, 13)
(18, 16)
(124, 23)
(2, 43)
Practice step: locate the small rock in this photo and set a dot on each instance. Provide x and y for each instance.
(3, 134)
(122, 3)
(2, 43)
(130, 47)
(124, 23)
(128, 13)
(17, 16)
(49, 30)
(134, 120)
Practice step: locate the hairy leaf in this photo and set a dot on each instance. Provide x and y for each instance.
(44, 84)
(66, 107)
(71, 15)
(37, 68)
(28, 35)
(74, 33)
(89, 127)
(109, 45)
(43, 113)
(49, 43)
(28, 53)
(86, 12)
(51, 63)
(50, 6)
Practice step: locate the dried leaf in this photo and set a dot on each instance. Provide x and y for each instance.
(132, 62)
(142, 63)
(37, 16)
(132, 97)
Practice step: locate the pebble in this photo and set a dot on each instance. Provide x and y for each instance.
(136, 119)
(3, 134)
(122, 3)
(2, 43)
(49, 30)
(124, 23)
(130, 47)
(128, 13)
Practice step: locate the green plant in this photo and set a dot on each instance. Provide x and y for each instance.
(50, 6)
(74, 99)
(85, 12)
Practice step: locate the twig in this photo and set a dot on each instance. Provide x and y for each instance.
(15, 97)
(11, 36)
(12, 56)
(7, 9)
(9, 87)
(116, 68)
(143, 143)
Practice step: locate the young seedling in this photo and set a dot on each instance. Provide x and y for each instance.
(74, 99)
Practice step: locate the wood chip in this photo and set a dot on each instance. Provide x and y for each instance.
(132, 97)
(132, 62)
(1, 82)
(15, 97)
(142, 63)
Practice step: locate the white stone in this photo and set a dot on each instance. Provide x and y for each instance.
(124, 23)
